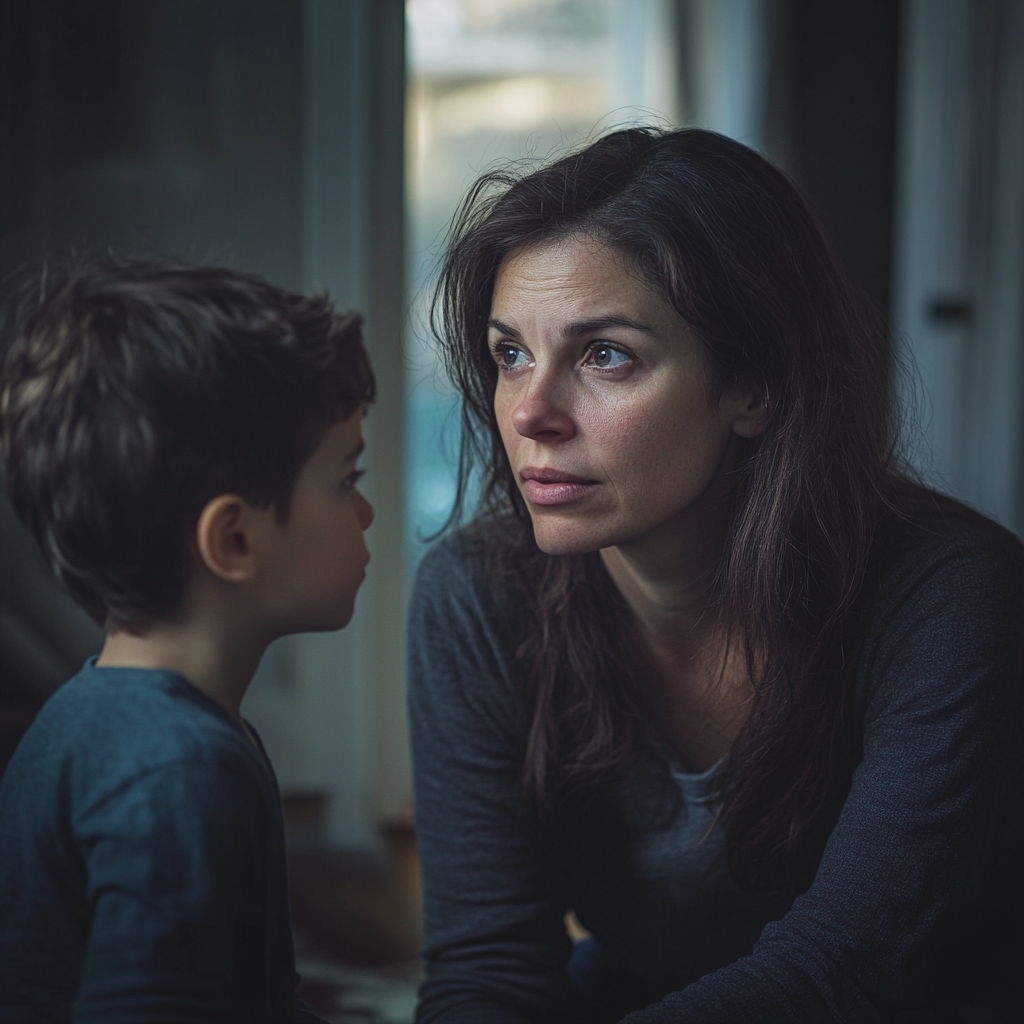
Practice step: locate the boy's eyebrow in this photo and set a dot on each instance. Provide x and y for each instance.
(356, 452)
(580, 327)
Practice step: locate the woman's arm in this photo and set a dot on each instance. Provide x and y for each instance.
(494, 903)
(917, 833)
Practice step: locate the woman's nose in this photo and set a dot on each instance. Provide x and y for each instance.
(541, 415)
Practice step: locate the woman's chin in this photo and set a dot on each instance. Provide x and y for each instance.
(561, 537)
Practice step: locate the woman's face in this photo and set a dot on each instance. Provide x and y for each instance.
(603, 401)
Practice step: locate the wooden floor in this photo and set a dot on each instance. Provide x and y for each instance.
(357, 920)
(343, 994)
(365, 912)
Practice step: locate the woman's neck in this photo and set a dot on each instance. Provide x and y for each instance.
(666, 577)
(700, 689)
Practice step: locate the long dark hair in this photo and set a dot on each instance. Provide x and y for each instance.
(733, 247)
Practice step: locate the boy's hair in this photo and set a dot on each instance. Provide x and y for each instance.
(133, 393)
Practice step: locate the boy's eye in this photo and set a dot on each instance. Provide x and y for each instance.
(352, 479)
(607, 358)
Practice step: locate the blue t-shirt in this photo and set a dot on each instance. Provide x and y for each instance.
(142, 864)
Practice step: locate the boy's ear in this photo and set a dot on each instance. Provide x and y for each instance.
(224, 538)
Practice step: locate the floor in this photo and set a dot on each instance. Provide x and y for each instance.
(357, 921)
(358, 995)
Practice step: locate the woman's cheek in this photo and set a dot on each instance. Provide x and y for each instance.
(632, 430)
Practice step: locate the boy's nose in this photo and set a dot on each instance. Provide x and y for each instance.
(364, 512)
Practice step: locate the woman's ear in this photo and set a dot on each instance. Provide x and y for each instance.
(224, 538)
(751, 412)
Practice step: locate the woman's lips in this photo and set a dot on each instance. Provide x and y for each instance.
(553, 487)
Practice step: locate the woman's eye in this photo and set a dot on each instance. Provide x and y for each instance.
(352, 479)
(511, 358)
(605, 357)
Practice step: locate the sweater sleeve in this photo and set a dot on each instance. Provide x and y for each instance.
(916, 833)
(495, 944)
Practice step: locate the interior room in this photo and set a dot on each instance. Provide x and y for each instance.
(325, 144)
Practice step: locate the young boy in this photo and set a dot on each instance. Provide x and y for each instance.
(183, 444)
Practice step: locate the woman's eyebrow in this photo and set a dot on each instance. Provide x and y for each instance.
(600, 323)
(580, 327)
(503, 328)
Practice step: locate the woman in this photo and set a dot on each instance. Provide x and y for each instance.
(707, 669)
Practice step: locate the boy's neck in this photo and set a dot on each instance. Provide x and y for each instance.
(217, 660)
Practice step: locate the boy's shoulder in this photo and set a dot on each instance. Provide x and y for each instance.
(141, 834)
(108, 728)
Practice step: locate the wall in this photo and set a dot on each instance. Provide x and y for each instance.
(959, 278)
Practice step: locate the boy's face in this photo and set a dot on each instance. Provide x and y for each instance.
(314, 562)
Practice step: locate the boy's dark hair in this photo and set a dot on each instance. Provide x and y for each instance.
(133, 393)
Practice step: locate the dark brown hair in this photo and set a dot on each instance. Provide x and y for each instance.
(732, 246)
(133, 393)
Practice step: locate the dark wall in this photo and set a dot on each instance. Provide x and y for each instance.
(156, 128)
(832, 123)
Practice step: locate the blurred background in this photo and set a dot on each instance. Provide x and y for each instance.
(326, 143)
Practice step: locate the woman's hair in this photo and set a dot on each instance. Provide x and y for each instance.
(133, 393)
(728, 241)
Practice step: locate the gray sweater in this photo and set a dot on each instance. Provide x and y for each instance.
(917, 902)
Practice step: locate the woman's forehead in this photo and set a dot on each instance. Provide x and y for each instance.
(581, 275)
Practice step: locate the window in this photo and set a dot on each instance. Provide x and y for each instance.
(492, 82)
